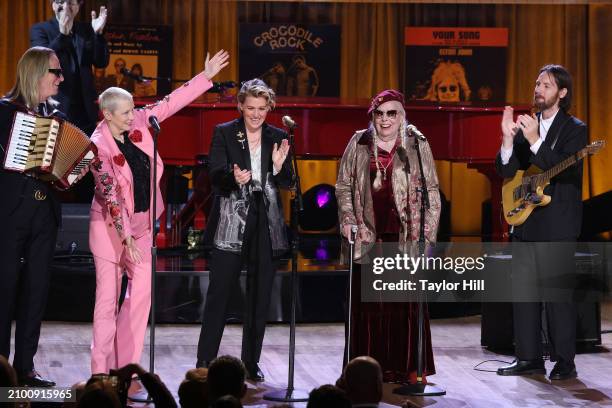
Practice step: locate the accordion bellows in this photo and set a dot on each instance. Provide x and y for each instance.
(49, 148)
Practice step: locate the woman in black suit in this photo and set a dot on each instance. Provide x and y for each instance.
(248, 163)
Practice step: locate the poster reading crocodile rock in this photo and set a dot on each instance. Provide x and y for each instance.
(293, 59)
(455, 64)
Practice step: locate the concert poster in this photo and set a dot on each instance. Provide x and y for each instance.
(293, 59)
(145, 50)
(455, 64)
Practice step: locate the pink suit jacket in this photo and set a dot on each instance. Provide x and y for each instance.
(113, 202)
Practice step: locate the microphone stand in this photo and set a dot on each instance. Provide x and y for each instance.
(153, 256)
(153, 265)
(290, 394)
(420, 388)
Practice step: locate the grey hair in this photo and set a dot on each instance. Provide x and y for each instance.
(108, 99)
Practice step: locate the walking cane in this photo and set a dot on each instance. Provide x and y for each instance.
(351, 240)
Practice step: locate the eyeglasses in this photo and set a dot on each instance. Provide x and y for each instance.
(70, 2)
(56, 71)
(452, 88)
(391, 114)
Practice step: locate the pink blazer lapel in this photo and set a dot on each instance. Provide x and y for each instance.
(121, 168)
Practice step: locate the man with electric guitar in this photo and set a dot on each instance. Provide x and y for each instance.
(550, 210)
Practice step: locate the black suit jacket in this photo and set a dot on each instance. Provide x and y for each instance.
(13, 184)
(562, 218)
(90, 48)
(226, 150)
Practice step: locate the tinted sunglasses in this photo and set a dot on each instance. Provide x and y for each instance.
(391, 114)
(56, 71)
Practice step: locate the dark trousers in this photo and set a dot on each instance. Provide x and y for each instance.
(225, 270)
(542, 270)
(29, 232)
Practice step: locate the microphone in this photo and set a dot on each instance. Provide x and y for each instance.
(403, 156)
(129, 73)
(154, 123)
(288, 122)
(416, 132)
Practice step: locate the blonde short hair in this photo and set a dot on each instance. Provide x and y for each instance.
(32, 66)
(108, 99)
(258, 89)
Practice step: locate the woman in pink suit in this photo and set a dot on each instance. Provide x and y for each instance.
(120, 219)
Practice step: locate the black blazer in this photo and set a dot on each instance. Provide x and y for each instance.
(13, 184)
(226, 150)
(90, 48)
(562, 218)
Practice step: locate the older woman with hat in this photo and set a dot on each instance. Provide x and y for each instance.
(378, 191)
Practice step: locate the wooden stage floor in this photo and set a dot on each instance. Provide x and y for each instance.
(65, 349)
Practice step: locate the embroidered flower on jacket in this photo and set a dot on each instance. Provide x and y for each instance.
(136, 136)
(105, 179)
(119, 159)
(96, 163)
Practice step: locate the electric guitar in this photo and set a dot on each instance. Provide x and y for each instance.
(525, 191)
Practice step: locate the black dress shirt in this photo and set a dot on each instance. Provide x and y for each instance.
(141, 173)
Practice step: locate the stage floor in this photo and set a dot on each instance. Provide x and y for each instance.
(65, 350)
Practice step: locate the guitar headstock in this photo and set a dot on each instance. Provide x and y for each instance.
(592, 148)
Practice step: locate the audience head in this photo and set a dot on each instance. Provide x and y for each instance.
(8, 376)
(328, 396)
(100, 394)
(193, 391)
(226, 376)
(363, 380)
(227, 401)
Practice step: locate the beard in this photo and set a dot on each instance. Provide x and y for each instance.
(542, 103)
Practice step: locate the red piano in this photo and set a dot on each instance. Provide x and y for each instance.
(460, 133)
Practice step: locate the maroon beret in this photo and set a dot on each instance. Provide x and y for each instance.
(385, 96)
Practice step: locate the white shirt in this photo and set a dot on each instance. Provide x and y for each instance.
(545, 125)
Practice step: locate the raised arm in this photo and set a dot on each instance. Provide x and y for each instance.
(190, 90)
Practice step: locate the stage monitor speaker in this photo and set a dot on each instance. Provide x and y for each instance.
(497, 332)
(73, 234)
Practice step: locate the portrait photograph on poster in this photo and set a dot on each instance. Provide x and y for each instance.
(455, 64)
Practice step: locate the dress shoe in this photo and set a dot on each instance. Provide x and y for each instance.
(33, 379)
(563, 370)
(255, 373)
(202, 364)
(137, 392)
(523, 367)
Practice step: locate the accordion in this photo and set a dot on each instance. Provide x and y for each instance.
(49, 148)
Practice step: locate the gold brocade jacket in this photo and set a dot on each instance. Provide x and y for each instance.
(354, 195)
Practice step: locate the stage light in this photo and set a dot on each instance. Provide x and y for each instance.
(320, 213)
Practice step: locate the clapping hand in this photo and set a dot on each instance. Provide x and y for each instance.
(65, 20)
(241, 176)
(98, 23)
(213, 65)
(529, 125)
(279, 154)
(508, 127)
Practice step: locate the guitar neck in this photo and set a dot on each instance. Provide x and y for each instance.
(559, 167)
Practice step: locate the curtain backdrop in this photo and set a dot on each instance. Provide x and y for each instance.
(576, 36)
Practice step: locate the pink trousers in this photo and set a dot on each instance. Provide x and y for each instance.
(118, 333)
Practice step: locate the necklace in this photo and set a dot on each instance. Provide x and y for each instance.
(383, 144)
(380, 166)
